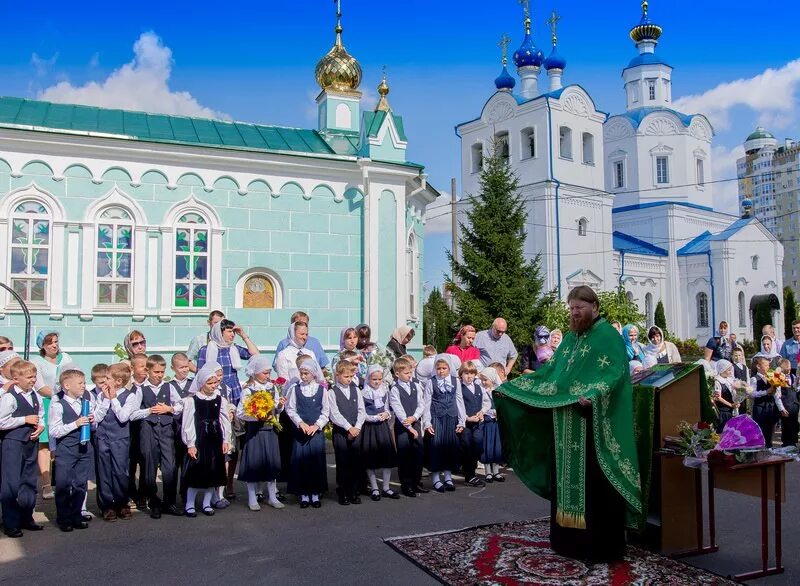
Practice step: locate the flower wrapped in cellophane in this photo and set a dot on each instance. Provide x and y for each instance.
(777, 378)
(261, 405)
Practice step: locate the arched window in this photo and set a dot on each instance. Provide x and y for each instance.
(754, 261)
(30, 251)
(648, 309)
(344, 117)
(565, 142)
(258, 293)
(742, 311)
(114, 258)
(629, 295)
(582, 225)
(411, 274)
(528, 143)
(191, 261)
(477, 157)
(702, 310)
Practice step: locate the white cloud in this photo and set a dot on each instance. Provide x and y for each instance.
(772, 94)
(726, 191)
(438, 217)
(142, 84)
(43, 65)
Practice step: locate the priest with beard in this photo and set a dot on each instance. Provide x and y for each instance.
(568, 430)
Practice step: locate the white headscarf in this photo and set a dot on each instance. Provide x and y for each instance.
(7, 356)
(772, 353)
(258, 363)
(311, 365)
(721, 366)
(371, 369)
(492, 375)
(291, 336)
(202, 376)
(215, 342)
(451, 359)
(633, 365)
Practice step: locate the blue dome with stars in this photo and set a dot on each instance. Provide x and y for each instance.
(504, 81)
(528, 55)
(555, 60)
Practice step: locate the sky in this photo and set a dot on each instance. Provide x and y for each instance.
(254, 62)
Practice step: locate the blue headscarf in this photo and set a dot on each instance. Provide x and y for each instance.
(634, 352)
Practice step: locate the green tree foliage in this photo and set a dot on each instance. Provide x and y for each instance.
(660, 318)
(439, 321)
(789, 310)
(615, 306)
(494, 279)
(762, 317)
(555, 313)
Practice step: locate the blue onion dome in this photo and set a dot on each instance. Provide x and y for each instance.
(528, 54)
(747, 203)
(504, 81)
(555, 60)
(646, 30)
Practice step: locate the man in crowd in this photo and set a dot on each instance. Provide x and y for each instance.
(496, 346)
(791, 347)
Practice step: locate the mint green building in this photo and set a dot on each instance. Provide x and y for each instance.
(114, 220)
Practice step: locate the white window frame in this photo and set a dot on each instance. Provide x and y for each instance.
(618, 170)
(665, 160)
(565, 142)
(503, 143)
(190, 280)
(742, 310)
(113, 280)
(754, 262)
(412, 278)
(587, 153)
(651, 90)
(30, 277)
(528, 145)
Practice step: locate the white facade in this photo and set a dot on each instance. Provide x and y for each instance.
(627, 199)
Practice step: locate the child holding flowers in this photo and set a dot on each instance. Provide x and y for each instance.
(205, 429)
(766, 398)
(789, 422)
(259, 408)
(309, 410)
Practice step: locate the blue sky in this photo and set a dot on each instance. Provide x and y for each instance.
(254, 61)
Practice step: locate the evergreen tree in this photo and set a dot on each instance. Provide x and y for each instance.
(660, 318)
(439, 321)
(493, 279)
(789, 311)
(762, 317)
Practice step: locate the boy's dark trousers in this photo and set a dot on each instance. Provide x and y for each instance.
(20, 472)
(73, 465)
(410, 455)
(158, 450)
(348, 463)
(471, 448)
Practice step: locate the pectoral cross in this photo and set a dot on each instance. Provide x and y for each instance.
(553, 22)
(505, 40)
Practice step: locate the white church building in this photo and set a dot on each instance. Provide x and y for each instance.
(625, 199)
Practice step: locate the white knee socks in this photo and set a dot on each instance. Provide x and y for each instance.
(387, 474)
(252, 489)
(191, 497)
(207, 497)
(448, 477)
(272, 491)
(373, 481)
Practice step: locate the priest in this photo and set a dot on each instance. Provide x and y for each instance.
(568, 431)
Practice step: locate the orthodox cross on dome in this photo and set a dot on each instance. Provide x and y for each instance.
(526, 4)
(505, 40)
(645, 5)
(553, 22)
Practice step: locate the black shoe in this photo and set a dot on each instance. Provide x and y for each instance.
(209, 511)
(80, 525)
(390, 494)
(14, 533)
(155, 513)
(65, 528)
(499, 478)
(489, 478)
(191, 513)
(343, 500)
(438, 486)
(306, 504)
(33, 526)
(375, 495)
(173, 510)
(141, 504)
(449, 486)
(87, 517)
(421, 489)
(475, 481)
(259, 497)
(280, 496)
(316, 504)
(409, 492)
(356, 500)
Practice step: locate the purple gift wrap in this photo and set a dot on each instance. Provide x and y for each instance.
(86, 430)
(741, 432)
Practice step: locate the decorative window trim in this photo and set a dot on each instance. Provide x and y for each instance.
(412, 276)
(583, 225)
(701, 309)
(271, 276)
(116, 252)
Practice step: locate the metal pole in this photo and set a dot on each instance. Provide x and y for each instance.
(453, 218)
(26, 349)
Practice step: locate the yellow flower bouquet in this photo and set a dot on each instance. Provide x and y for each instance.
(261, 405)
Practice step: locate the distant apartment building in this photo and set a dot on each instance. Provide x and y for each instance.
(756, 178)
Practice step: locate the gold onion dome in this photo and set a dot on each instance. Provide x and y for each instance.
(645, 30)
(383, 91)
(338, 70)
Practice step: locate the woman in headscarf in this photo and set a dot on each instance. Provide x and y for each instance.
(286, 361)
(374, 354)
(348, 342)
(230, 356)
(463, 345)
(768, 352)
(630, 334)
(663, 351)
(48, 363)
(134, 343)
(399, 340)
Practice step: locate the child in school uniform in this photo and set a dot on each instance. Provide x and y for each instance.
(158, 403)
(741, 374)
(309, 410)
(443, 420)
(476, 404)
(21, 424)
(347, 414)
(137, 493)
(205, 428)
(73, 459)
(115, 404)
(492, 455)
(181, 382)
(261, 456)
(408, 404)
(378, 454)
(424, 369)
(767, 403)
(724, 394)
(791, 404)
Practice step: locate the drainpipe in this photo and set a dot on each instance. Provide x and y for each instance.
(558, 189)
(713, 302)
(622, 266)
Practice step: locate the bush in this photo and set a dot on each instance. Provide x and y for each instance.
(689, 349)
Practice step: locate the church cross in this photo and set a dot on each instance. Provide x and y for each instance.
(526, 5)
(553, 22)
(505, 40)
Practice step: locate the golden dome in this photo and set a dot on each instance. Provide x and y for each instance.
(383, 91)
(338, 70)
(646, 30)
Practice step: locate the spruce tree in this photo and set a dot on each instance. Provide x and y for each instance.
(789, 311)
(439, 321)
(762, 317)
(660, 317)
(493, 278)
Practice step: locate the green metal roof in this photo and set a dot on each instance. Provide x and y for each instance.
(374, 120)
(17, 112)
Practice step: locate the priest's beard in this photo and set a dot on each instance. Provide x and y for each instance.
(580, 324)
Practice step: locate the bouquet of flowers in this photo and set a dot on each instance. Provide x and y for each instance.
(261, 405)
(279, 382)
(692, 440)
(777, 378)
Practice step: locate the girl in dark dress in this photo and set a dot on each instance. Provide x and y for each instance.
(723, 393)
(378, 453)
(205, 429)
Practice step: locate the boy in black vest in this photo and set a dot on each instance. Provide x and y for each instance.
(181, 383)
(347, 415)
(73, 457)
(21, 423)
(158, 402)
(407, 401)
(476, 404)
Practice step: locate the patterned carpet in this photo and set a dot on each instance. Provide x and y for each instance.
(519, 553)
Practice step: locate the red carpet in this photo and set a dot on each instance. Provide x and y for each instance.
(519, 553)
